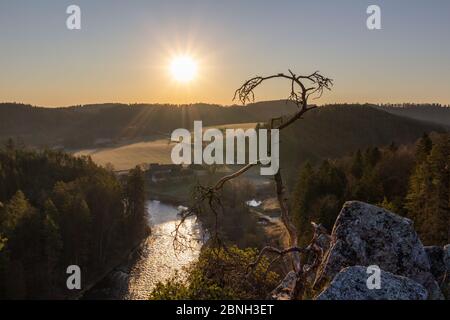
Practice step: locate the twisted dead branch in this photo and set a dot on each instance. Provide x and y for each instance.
(302, 88)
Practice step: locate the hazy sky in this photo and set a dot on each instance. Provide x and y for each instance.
(123, 50)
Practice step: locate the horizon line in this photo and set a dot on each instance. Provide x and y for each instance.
(389, 104)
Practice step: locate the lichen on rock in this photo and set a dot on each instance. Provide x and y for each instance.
(351, 284)
(366, 235)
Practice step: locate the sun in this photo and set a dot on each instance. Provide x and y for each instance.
(183, 69)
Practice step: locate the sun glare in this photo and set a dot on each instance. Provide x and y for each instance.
(183, 68)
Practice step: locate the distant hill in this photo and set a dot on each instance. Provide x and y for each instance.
(327, 132)
(431, 113)
(83, 126)
(334, 131)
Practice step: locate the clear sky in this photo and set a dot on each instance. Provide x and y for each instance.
(124, 48)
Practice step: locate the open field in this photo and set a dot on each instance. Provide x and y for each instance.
(126, 156)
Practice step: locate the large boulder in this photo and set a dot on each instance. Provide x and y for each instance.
(446, 284)
(437, 264)
(351, 284)
(447, 258)
(366, 235)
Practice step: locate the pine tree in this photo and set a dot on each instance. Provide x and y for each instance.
(20, 224)
(439, 220)
(318, 197)
(51, 243)
(303, 195)
(135, 199)
(15, 210)
(357, 165)
(58, 210)
(371, 157)
(423, 148)
(428, 196)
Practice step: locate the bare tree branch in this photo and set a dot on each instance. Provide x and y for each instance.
(302, 88)
(314, 248)
(311, 85)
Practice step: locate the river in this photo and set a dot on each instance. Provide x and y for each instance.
(157, 260)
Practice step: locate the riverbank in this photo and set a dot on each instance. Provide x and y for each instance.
(80, 295)
(156, 259)
(169, 199)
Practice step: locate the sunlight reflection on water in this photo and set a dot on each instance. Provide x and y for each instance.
(160, 260)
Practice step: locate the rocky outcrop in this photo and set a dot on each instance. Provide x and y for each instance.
(323, 241)
(447, 257)
(351, 284)
(440, 266)
(446, 284)
(365, 235)
(285, 290)
(437, 265)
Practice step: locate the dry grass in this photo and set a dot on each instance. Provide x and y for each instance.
(127, 156)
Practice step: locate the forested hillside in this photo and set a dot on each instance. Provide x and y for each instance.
(413, 181)
(335, 131)
(56, 211)
(84, 126)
